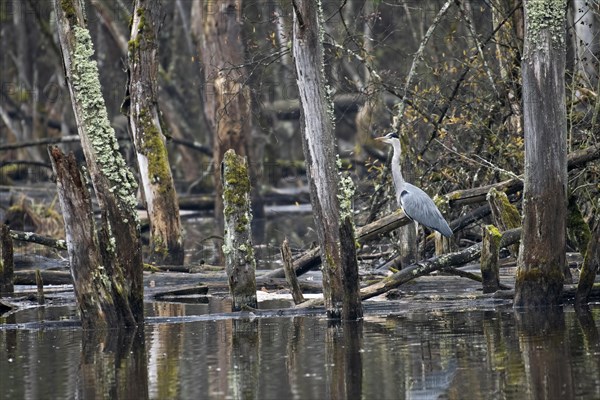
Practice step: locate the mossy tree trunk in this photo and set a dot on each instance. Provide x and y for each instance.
(113, 182)
(226, 94)
(539, 280)
(239, 253)
(166, 242)
(318, 144)
(100, 306)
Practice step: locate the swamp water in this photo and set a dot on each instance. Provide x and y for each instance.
(199, 351)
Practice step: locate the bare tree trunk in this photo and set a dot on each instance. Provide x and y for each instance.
(226, 95)
(166, 242)
(318, 144)
(239, 253)
(590, 266)
(113, 182)
(6, 262)
(100, 306)
(539, 280)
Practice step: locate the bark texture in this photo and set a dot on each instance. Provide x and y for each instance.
(539, 280)
(590, 266)
(239, 253)
(6, 262)
(318, 146)
(226, 96)
(166, 242)
(113, 182)
(100, 306)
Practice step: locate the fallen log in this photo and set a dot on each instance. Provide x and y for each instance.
(59, 244)
(425, 267)
(312, 258)
(458, 198)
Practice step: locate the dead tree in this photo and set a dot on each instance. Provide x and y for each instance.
(113, 182)
(100, 305)
(239, 253)
(591, 263)
(148, 132)
(539, 280)
(318, 145)
(6, 262)
(217, 26)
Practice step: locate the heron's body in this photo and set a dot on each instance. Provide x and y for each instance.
(417, 205)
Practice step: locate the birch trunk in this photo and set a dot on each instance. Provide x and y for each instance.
(541, 262)
(166, 242)
(113, 182)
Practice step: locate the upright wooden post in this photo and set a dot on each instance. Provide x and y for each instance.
(238, 250)
(6, 262)
(490, 272)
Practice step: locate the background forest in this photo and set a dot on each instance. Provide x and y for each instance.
(457, 107)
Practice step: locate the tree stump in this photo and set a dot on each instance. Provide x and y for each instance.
(101, 304)
(490, 272)
(239, 253)
(6, 262)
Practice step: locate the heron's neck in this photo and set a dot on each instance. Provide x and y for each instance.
(396, 169)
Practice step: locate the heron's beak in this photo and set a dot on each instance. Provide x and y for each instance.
(380, 139)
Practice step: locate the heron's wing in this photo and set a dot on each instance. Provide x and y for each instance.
(418, 205)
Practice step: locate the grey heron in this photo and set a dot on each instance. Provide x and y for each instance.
(417, 205)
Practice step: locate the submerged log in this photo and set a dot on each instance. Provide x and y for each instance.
(312, 258)
(239, 253)
(425, 267)
(6, 262)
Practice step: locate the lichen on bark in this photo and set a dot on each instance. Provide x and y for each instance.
(102, 137)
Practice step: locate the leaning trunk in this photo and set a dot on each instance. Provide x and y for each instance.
(166, 242)
(318, 145)
(541, 263)
(112, 180)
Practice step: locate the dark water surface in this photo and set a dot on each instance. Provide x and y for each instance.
(494, 354)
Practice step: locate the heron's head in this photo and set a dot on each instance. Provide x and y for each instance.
(390, 138)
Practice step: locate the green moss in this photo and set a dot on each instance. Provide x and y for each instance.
(155, 151)
(70, 12)
(544, 276)
(236, 183)
(494, 233)
(509, 214)
(143, 35)
(88, 94)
